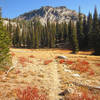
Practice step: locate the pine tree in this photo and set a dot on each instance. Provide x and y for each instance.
(48, 33)
(96, 33)
(33, 38)
(65, 32)
(89, 27)
(4, 44)
(80, 33)
(16, 37)
(62, 32)
(85, 32)
(9, 29)
(30, 35)
(70, 31)
(23, 37)
(28, 39)
(73, 37)
(43, 37)
(59, 34)
(36, 24)
(52, 35)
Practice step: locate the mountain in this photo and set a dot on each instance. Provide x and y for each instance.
(52, 14)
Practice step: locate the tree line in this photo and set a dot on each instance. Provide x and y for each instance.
(81, 35)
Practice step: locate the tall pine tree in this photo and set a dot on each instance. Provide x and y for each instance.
(80, 33)
(73, 37)
(96, 33)
(4, 44)
(89, 27)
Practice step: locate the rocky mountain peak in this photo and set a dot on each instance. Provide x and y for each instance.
(53, 14)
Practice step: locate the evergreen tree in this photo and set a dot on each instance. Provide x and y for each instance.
(23, 37)
(28, 39)
(80, 33)
(52, 35)
(16, 38)
(4, 44)
(96, 33)
(73, 37)
(48, 33)
(65, 32)
(43, 36)
(89, 27)
(30, 35)
(59, 34)
(70, 31)
(62, 32)
(85, 32)
(33, 38)
(36, 32)
(9, 29)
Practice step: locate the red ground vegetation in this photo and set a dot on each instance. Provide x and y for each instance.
(30, 93)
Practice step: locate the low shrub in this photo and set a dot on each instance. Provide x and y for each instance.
(97, 64)
(69, 62)
(82, 66)
(46, 62)
(30, 93)
(82, 95)
(91, 72)
(61, 61)
(31, 56)
(12, 54)
(22, 61)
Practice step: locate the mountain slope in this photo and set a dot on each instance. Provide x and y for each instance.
(52, 14)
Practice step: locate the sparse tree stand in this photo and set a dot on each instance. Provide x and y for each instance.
(4, 45)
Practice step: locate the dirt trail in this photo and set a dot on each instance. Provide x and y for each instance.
(55, 90)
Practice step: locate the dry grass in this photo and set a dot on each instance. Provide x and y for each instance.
(41, 68)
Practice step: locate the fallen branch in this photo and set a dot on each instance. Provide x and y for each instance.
(87, 86)
(11, 68)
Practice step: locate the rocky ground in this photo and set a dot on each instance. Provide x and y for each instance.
(56, 78)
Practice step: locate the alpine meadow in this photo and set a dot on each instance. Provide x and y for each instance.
(50, 52)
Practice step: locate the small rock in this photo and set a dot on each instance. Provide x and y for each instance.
(62, 57)
(66, 70)
(76, 75)
(64, 93)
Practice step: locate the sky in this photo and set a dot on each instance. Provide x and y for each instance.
(13, 8)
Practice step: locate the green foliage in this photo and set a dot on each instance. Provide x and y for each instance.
(85, 32)
(73, 37)
(96, 33)
(89, 32)
(16, 38)
(5, 43)
(80, 33)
